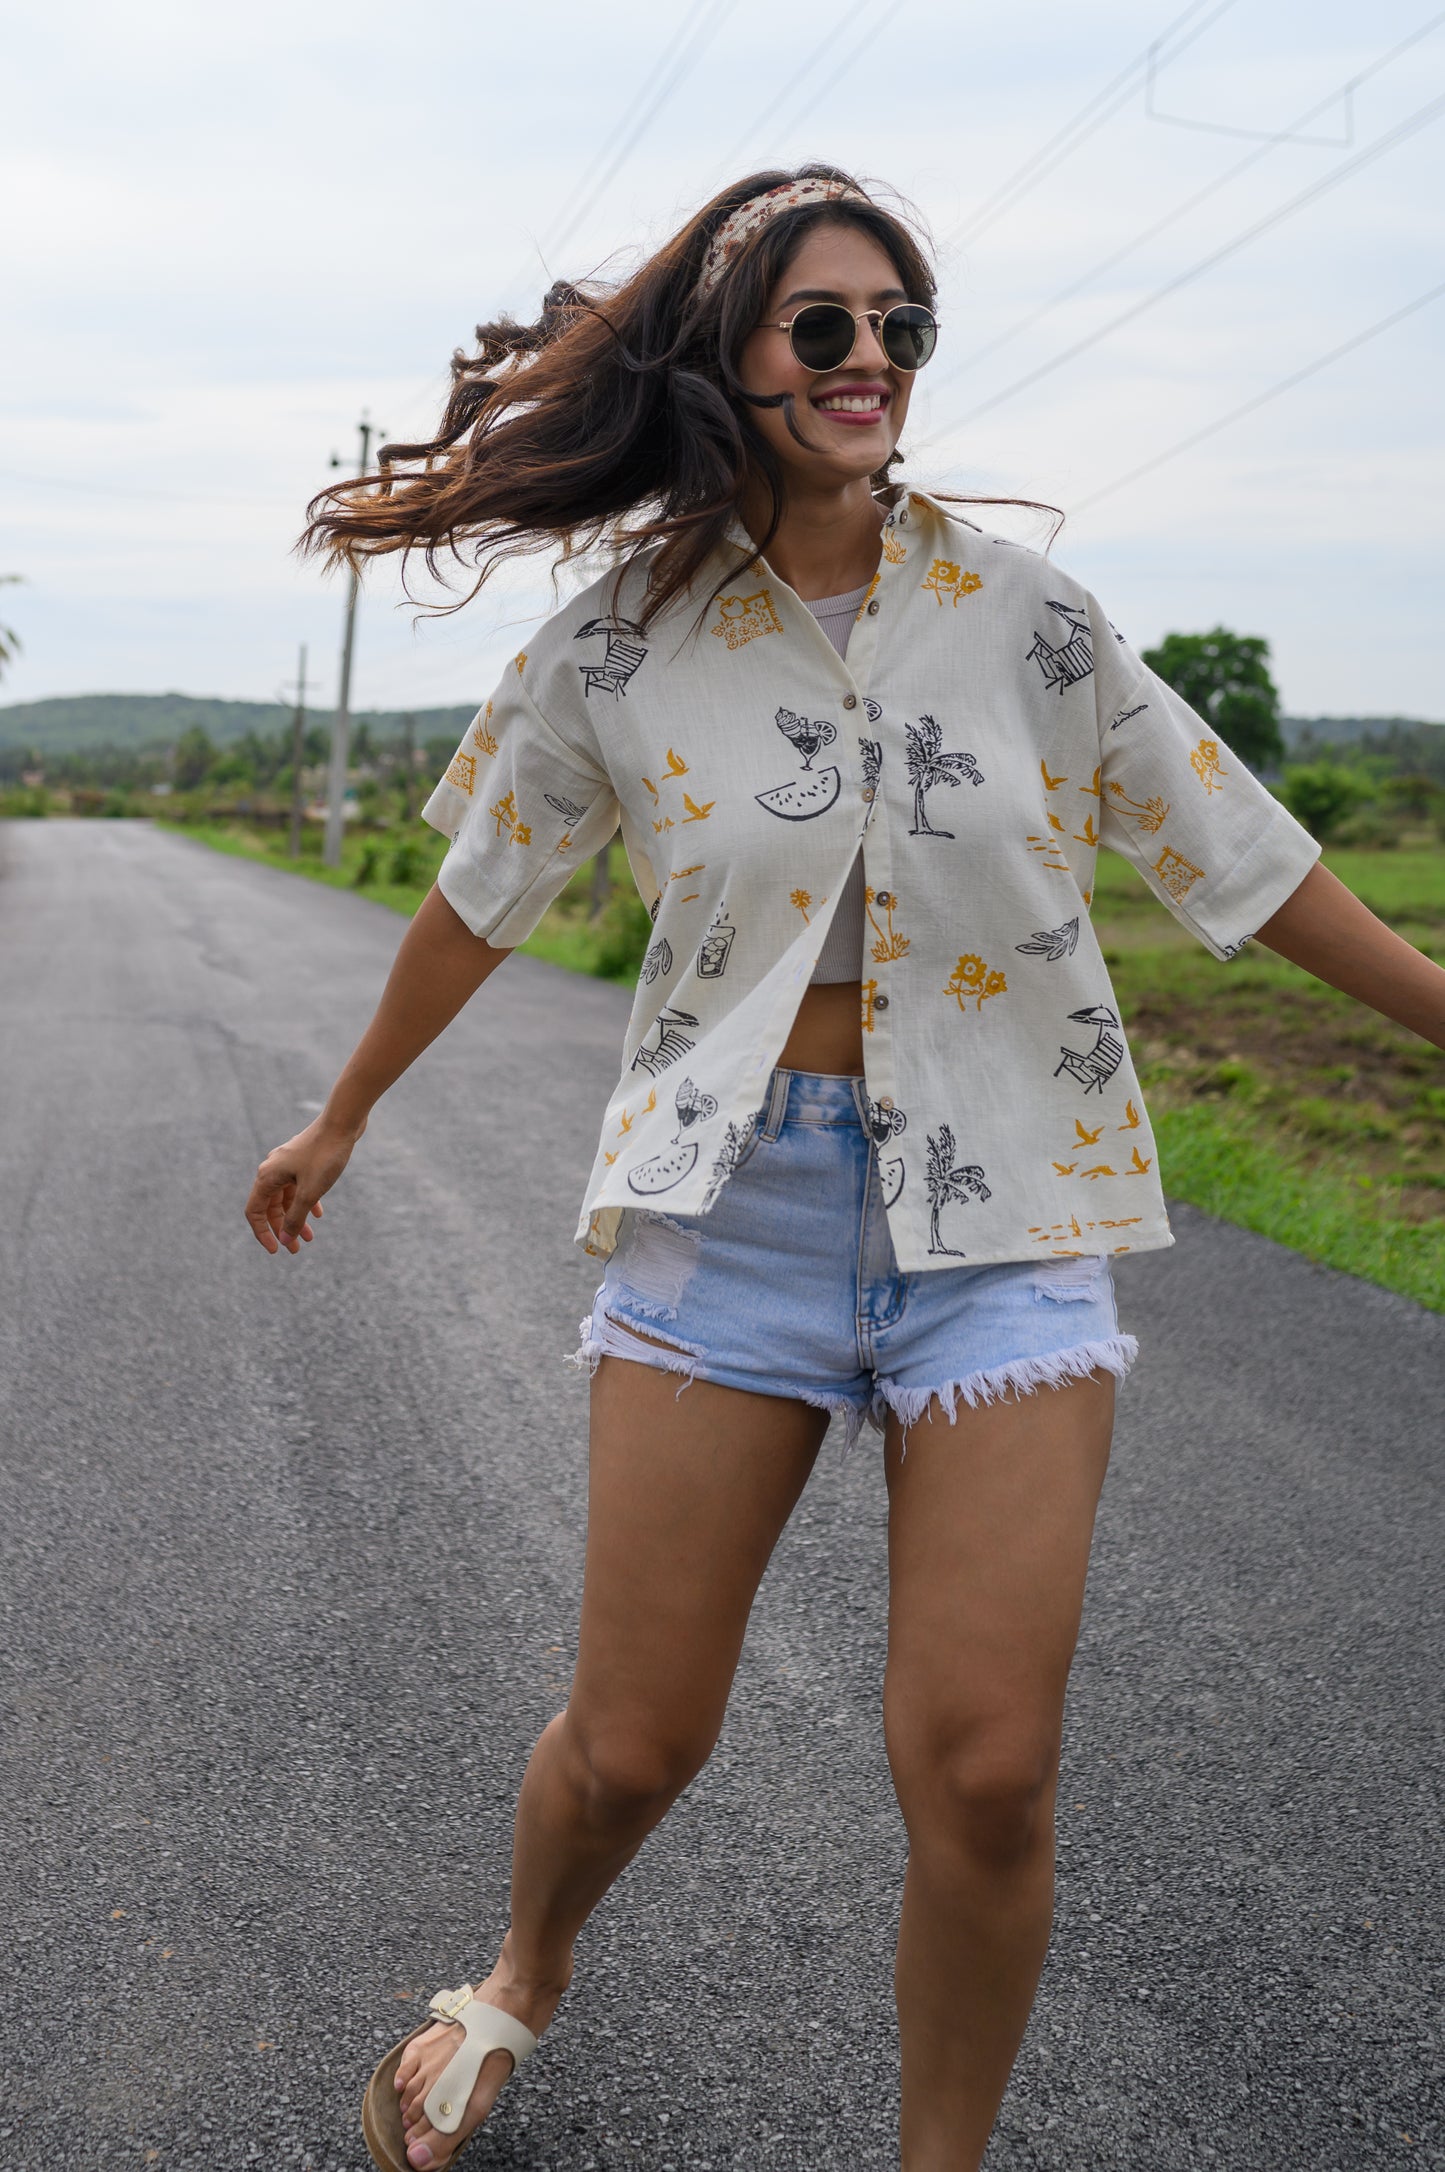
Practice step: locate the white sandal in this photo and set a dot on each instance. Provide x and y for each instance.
(487, 2028)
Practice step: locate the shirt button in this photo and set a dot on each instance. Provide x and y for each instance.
(880, 1003)
(885, 899)
(873, 608)
(850, 701)
(903, 520)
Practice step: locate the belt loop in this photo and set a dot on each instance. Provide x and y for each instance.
(777, 1105)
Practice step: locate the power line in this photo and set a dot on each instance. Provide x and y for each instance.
(1182, 210)
(1408, 127)
(795, 80)
(1067, 140)
(1260, 399)
(709, 23)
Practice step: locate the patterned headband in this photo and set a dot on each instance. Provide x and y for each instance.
(739, 226)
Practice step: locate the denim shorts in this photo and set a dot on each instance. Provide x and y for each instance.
(790, 1286)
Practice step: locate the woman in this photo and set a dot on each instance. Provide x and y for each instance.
(877, 1130)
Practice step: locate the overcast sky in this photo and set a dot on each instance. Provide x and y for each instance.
(226, 233)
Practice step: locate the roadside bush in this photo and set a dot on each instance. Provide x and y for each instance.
(1321, 795)
(1377, 832)
(623, 934)
(368, 867)
(408, 866)
(28, 801)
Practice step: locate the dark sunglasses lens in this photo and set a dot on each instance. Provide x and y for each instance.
(822, 336)
(909, 335)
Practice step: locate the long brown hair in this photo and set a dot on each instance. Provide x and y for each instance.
(618, 419)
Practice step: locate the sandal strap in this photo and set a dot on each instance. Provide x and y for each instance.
(487, 2028)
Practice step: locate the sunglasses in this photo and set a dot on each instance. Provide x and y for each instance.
(824, 334)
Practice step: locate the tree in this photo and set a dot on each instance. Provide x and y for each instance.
(1321, 794)
(194, 757)
(9, 642)
(1225, 676)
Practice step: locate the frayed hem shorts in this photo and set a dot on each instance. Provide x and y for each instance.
(790, 1286)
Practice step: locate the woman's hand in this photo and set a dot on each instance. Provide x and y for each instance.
(291, 1180)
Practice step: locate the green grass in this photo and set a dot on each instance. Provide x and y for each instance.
(1278, 1103)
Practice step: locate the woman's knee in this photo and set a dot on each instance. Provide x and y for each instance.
(624, 1768)
(984, 1790)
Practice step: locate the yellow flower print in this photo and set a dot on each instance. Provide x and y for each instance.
(802, 899)
(945, 577)
(482, 736)
(507, 819)
(521, 660)
(890, 944)
(971, 977)
(893, 548)
(1204, 761)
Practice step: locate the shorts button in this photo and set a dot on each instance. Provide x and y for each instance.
(880, 1003)
(850, 701)
(873, 608)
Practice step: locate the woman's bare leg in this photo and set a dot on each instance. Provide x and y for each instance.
(990, 1524)
(688, 1496)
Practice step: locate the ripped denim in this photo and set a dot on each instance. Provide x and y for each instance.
(790, 1287)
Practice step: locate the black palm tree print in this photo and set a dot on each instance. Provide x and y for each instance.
(928, 766)
(948, 1186)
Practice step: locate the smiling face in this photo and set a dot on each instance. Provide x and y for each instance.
(852, 415)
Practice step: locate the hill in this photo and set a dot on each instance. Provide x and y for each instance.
(85, 723)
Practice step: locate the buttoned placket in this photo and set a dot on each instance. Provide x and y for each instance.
(875, 840)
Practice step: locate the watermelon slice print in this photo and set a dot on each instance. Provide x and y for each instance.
(812, 795)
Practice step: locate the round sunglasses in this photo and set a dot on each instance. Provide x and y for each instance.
(824, 334)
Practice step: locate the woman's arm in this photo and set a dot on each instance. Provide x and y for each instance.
(1324, 927)
(438, 968)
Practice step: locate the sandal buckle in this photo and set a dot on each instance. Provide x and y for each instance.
(447, 2005)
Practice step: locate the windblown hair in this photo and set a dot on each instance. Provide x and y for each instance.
(617, 420)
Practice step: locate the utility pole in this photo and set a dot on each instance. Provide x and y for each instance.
(298, 747)
(341, 723)
(408, 753)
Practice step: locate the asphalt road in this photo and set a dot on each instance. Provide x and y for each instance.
(292, 1551)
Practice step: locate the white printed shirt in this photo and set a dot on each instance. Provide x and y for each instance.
(987, 732)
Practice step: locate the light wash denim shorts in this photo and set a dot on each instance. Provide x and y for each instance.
(790, 1286)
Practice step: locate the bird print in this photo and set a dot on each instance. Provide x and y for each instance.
(694, 812)
(1051, 784)
(1132, 1114)
(1086, 1137)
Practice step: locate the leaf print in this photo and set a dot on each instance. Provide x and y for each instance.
(658, 960)
(482, 735)
(929, 767)
(1052, 943)
(566, 808)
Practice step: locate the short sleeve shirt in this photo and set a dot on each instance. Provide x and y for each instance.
(987, 732)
